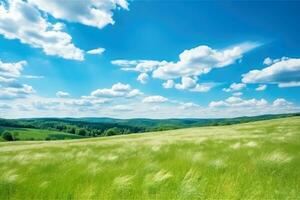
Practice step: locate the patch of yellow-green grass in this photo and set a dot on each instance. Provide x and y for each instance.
(29, 134)
(257, 160)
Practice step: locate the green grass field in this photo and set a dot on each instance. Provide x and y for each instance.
(24, 134)
(259, 160)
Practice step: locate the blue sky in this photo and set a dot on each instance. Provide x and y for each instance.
(148, 58)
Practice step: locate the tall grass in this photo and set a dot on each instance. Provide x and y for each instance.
(248, 161)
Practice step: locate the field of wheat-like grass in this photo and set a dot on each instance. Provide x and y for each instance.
(257, 160)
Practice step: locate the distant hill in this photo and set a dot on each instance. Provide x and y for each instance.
(157, 124)
(95, 127)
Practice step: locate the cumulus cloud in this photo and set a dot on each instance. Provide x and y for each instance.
(155, 99)
(21, 20)
(186, 83)
(205, 87)
(143, 78)
(62, 94)
(168, 84)
(142, 66)
(153, 107)
(235, 87)
(97, 51)
(261, 87)
(134, 93)
(191, 64)
(117, 90)
(96, 13)
(268, 61)
(201, 60)
(188, 105)
(284, 72)
(238, 102)
(11, 70)
(21, 91)
(281, 102)
(10, 88)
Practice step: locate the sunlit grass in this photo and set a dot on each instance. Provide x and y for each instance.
(248, 161)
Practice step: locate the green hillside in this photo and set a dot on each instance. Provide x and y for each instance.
(68, 128)
(258, 160)
(24, 134)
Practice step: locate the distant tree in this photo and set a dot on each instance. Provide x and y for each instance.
(48, 138)
(6, 135)
(71, 130)
(112, 131)
(82, 132)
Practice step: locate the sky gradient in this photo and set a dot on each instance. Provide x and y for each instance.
(127, 59)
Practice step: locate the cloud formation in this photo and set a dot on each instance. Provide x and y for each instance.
(21, 20)
(284, 72)
(143, 78)
(261, 87)
(238, 102)
(96, 13)
(62, 94)
(98, 51)
(235, 87)
(10, 88)
(191, 64)
(117, 90)
(155, 99)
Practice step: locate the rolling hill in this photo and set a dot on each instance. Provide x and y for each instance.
(73, 128)
(257, 160)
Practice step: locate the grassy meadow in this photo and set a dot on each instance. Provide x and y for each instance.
(258, 160)
(25, 134)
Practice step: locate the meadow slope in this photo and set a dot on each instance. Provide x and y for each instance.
(258, 160)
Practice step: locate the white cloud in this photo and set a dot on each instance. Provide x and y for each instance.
(143, 78)
(235, 87)
(190, 84)
(186, 83)
(134, 93)
(96, 13)
(11, 70)
(268, 61)
(281, 102)
(21, 91)
(121, 87)
(205, 87)
(21, 20)
(238, 102)
(201, 60)
(10, 88)
(142, 66)
(191, 64)
(155, 99)
(35, 106)
(62, 94)
(188, 105)
(168, 84)
(33, 77)
(261, 87)
(289, 84)
(117, 90)
(98, 51)
(284, 73)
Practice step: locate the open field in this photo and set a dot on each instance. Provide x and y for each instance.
(258, 160)
(24, 134)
